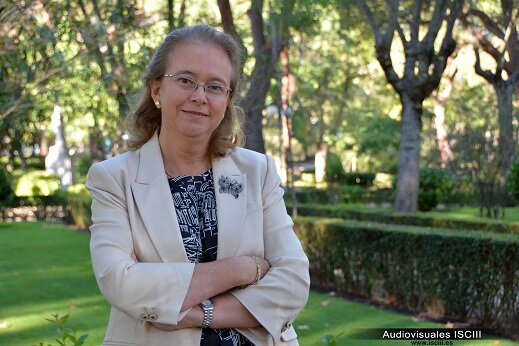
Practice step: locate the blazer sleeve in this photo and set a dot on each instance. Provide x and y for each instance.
(148, 291)
(283, 292)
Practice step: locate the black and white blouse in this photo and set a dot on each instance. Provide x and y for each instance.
(195, 205)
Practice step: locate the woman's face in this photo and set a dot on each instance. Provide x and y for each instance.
(188, 114)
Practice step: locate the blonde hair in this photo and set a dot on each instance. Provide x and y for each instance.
(146, 119)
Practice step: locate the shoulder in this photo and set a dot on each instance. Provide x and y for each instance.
(255, 164)
(119, 162)
(117, 167)
(249, 158)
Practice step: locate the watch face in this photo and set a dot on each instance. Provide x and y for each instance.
(206, 303)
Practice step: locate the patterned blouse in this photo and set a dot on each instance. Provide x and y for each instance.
(195, 205)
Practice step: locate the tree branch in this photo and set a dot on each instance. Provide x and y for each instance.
(415, 22)
(488, 75)
(447, 48)
(371, 20)
(401, 34)
(490, 25)
(440, 7)
(485, 44)
(38, 82)
(392, 24)
(255, 15)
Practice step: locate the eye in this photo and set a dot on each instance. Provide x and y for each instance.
(215, 88)
(185, 81)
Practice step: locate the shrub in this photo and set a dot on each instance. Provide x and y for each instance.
(359, 179)
(77, 201)
(82, 164)
(65, 334)
(417, 267)
(6, 191)
(37, 183)
(334, 170)
(513, 181)
(435, 184)
(342, 211)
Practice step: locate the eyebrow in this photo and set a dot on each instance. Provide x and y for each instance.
(212, 79)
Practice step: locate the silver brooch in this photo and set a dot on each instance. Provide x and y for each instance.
(228, 185)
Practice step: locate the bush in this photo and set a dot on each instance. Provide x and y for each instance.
(77, 201)
(82, 165)
(435, 185)
(418, 267)
(6, 191)
(37, 183)
(342, 211)
(513, 181)
(334, 171)
(358, 179)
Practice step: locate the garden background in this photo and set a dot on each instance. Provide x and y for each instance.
(394, 126)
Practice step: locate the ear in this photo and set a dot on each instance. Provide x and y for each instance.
(155, 86)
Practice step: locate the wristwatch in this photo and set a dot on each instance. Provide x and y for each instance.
(208, 307)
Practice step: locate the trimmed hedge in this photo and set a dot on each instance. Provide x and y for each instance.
(75, 201)
(342, 194)
(464, 275)
(404, 219)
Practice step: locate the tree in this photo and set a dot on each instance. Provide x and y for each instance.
(266, 53)
(499, 39)
(425, 60)
(30, 52)
(440, 98)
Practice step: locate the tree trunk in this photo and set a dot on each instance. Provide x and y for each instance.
(440, 102)
(171, 15)
(505, 94)
(409, 161)
(441, 133)
(254, 101)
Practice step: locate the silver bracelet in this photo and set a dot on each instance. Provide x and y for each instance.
(208, 307)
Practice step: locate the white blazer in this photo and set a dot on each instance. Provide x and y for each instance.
(133, 212)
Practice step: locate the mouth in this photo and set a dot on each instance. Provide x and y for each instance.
(194, 113)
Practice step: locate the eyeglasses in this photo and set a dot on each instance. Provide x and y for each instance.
(189, 85)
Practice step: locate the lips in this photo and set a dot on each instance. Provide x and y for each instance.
(195, 113)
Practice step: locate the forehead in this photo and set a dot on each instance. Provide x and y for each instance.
(205, 61)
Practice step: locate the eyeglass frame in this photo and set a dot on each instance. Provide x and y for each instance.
(197, 85)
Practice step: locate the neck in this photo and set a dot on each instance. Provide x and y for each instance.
(184, 157)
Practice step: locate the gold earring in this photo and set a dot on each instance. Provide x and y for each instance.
(157, 104)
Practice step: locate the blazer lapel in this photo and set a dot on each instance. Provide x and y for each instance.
(155, 204)
(230, 210)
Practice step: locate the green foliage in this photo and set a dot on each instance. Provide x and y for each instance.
(331, 339)
(82, 164)
(418, 268)
(435, 184)
(37, 183)
(77, 201)
(333, 168)
(444, 221)
(342, 194)
(359, 179)
(65, 334)
(513, 181)
(6, 191)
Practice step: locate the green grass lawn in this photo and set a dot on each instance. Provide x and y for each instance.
(472, 214)
(45, 269)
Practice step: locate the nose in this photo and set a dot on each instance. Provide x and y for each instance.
(199, 94)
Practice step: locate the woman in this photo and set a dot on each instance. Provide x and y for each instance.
(191, 243)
